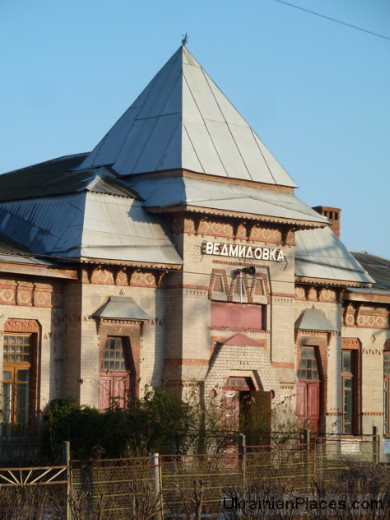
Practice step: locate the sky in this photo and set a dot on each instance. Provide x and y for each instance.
(317, 92)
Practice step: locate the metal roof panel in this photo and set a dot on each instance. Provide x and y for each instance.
(121, 308)
(154, 155)
(254, 160)
(109, 148)
(228, 150)
(320, 254)
(314, 319)
(204, 148)
(144, 138)
(89, 224)
(175, 191)
(162, 93)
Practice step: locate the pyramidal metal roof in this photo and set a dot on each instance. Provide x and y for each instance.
(182, 120)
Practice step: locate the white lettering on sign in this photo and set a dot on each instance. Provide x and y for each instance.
(239, 251)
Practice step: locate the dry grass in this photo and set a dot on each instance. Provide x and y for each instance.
(31, 503)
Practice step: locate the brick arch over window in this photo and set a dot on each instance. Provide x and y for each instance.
(130, 333)
(31, 332)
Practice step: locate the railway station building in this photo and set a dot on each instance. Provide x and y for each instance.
(176, 253)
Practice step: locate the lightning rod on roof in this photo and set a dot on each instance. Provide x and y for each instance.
(184, 39)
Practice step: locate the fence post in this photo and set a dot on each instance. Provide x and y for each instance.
(306, 441)
(375, 445)
(66, 462)
(242, 458)
(156, 473)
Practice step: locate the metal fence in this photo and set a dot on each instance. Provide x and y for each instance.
(171, 483)
(173, 486)
(35, 493)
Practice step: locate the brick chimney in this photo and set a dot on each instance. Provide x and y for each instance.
(333, 215)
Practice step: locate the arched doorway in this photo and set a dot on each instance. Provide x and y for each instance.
(247, 409)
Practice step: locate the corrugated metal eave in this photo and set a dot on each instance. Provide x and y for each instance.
(135, 263)
(330, 281)
(303, 224)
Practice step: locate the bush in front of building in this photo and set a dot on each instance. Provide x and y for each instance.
(146, 425)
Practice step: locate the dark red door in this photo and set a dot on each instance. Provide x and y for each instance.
(308, 405)
(308, 390)
(114, 377)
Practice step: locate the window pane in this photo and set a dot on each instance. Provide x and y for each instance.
(113, 351)
(22, 402)
(308, 365)
(386, 361)
(347, 361)
(348, 406)
(7, 402)
(23, 376)
(348, 383)
(19, 345)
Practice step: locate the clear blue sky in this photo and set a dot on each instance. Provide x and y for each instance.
(316, 92)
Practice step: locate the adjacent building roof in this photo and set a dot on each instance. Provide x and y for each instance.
(320, 254)
(377, 267)
(182, 120)
(314, 319)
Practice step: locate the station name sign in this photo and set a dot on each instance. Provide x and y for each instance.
(240, 251)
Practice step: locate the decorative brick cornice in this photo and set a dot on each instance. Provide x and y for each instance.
(142, 279)
(30, 294)
(361, 316)
(230, 228)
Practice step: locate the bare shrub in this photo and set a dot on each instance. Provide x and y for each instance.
(189, 504)
(27, 503)
(144, 503)
(139, 502)
(84, 506)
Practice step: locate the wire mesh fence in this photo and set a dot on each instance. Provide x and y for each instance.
(173, 483)
(124, 484)
(181, 485)
(188, 479)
